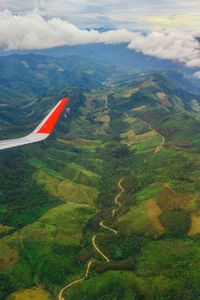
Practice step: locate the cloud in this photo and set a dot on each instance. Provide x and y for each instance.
(31, 31)
(197, 74)
(178, 46)
(116, 36)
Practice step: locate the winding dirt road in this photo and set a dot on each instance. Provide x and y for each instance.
(158, 148)
(76, 281)
(161, 145)
(117, 197)
(95, 246)
(106, 227)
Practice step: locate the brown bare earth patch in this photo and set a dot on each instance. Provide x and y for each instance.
(129, 94)
(170, 199)
(153, 213)
(8, 255)
(128, 137)
(138, 108)
(195, 223)
(163, 99)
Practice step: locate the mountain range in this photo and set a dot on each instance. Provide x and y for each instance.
(108, 206)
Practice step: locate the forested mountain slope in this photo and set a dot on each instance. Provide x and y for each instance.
(113, 195)
(26, 79)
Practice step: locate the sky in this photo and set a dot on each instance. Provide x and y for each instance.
(166, 29)
(129, 14)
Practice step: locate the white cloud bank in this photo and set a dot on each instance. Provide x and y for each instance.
(197, 74)
(178, 46)
(32, 31)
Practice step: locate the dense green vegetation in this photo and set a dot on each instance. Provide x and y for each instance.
(177, 221)
(28, 82)
(54, 194)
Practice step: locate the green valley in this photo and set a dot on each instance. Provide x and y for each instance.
(132, 148)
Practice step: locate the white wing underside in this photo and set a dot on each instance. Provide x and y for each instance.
(29, 139)
(41, 132)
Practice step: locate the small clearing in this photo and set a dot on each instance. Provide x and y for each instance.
(131, 92)
(33, 294)
(195, 224)
(163, 99)
(153, 213)
(138, 108)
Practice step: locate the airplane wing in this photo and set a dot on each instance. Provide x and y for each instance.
(41, 132)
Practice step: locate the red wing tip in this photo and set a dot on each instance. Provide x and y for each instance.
(51, 121)
(64, 100)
